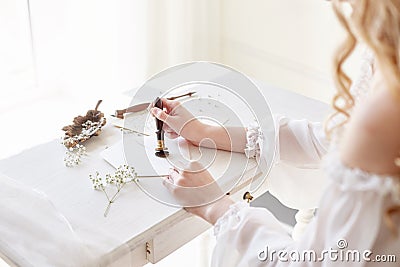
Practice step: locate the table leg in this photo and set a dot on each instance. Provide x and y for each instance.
(303, 218)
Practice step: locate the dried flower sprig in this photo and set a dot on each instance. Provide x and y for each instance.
(73, 155)
(75, 150)
(123, 175)
(87, 130)
(82, 129)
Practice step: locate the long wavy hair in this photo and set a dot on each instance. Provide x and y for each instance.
(377, 24)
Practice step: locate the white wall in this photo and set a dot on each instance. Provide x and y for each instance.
(95, 46)
(89, 47)
(288, 43)
(181, 31)
(16, 57)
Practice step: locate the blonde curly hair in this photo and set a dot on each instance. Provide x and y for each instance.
(377, 24)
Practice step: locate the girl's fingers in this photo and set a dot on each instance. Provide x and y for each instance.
(170, 182)
(174, 175)
(159, 114)
(170, 104)
(167, 128)
(171, 135)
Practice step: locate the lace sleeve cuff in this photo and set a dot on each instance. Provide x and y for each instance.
(254, 141)
(231, 214)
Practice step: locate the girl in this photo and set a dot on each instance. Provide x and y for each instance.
(358, 220)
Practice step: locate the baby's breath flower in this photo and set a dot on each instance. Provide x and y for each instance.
(123, 175)
(73, 155)
(97, 181)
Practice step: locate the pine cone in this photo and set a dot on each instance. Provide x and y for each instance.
(84, 127)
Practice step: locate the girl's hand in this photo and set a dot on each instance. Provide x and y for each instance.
(197, 190)
(178, 121)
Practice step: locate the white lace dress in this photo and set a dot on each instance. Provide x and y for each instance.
(348, 229)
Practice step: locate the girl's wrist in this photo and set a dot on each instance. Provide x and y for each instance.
(200, 131)
(212, 212)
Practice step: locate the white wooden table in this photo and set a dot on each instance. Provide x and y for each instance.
(140, 229)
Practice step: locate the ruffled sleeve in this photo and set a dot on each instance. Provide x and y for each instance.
(299, 148)
(254, 139)
(349, 218)
(300, 143)
(242, 233)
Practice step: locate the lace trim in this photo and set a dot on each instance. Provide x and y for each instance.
(232, 212)
(254, 139)
(361, 86)
(355, 179)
